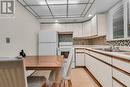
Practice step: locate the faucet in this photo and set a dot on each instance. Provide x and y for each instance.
(113, 47)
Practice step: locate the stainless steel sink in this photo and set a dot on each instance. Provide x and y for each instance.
(111, 50)
(126, 53)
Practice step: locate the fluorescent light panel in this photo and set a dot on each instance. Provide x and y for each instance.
(90, 15)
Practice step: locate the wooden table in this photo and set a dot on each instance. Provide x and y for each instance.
(44, 63)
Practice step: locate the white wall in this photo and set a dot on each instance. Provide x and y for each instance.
(23, 33)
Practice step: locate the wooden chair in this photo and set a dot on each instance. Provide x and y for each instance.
(12, 73)
(66, 71)
(65, 74)
(36, 78)
(44, 73)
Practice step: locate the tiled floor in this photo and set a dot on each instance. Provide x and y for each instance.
(82, 79)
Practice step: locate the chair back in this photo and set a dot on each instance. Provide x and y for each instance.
(66, 69)
(12, 73)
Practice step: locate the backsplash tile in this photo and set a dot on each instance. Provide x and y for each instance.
(93, 41)
(119, 42)
(98, 41)
(81, 41)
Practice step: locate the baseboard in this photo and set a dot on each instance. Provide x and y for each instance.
(92, 76)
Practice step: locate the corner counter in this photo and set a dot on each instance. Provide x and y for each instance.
(111, 69)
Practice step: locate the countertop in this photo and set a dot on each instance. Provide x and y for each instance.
(124, 55)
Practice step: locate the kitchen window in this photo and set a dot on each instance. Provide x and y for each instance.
(118, 23)
(128, 6)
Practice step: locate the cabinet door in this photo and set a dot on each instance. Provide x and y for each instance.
(87, 63)
(123, 78)
(79, 59)
(87, 29)
(101, 71)
(116, 84)
(94, 26)
(101, 24)
(77, 30)
(66, 27)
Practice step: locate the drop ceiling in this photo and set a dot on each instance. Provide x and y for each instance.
(49, 11)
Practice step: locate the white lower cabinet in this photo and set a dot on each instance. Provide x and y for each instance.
(123, 78)
(109, 71)
(122, 65)
(79, 59)
(116, 84)
(101, 71)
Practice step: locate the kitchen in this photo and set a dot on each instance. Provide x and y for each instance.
(94, 34)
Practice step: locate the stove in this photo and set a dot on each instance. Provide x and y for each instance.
(64, 49)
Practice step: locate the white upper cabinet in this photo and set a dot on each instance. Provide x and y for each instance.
(94, 26)
(87, 29)
(77, 30)
(102, 24)
(98, 24)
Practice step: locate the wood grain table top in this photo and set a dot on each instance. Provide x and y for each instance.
(43, 62)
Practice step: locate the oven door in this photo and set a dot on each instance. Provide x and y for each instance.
(65, 54)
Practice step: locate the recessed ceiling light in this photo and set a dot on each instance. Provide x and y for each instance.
(89, 15)
(56, 21)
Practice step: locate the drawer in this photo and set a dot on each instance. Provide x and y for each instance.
(102, 57)
(86, 51)
(121, 64)
(116, 84)
(79, 50)
(123, 78)
(80, 59)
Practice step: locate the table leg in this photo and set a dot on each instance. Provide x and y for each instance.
(57, 77)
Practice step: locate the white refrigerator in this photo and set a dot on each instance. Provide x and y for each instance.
(48, 42)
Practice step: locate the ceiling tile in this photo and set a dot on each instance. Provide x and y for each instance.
(35, 2)
(87, 9)
(59, 9)
(76, 9)
(41, 10)
(57, 1)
